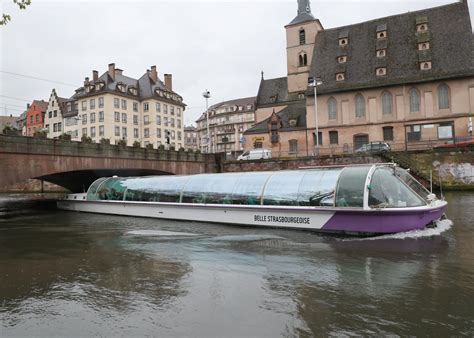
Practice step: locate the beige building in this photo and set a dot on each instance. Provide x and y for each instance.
(53, 119)
(190, 138)
(405, 79)
(116, 107)
(227, 122)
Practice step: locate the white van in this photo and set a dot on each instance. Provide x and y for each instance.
(255, 154)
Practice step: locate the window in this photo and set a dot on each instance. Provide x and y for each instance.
(424, 46)
(135, 132)
(359, 106)
(146, 119)
(425, 65)
(60, 126)
(302, 36)
(249, 106)
(158, 120)
(158, 132)
(303, 60)
(145, 106)
(135, 119)
(84, 118)
(124, 118)
(101, 130)
(116, 103)
(340, 77)
(320, 138)
(37, 118)
(84, 131)
(101, 116)
(422, 28)
(381, 53)
(381, 35)
(178, 123)
(116, 116)
(84, 105)
(124, 132)
(443, 97)
(333, 137)
(92, 131)
(387, 133)
(124, 104)
(342, 59)
(50, 114)
(55, 113)
(343, 42)
(55, 127)
(117, 131)
(172, 122)
(146, 133)
(92, 103)
(381, 71)
(165, 108)
(47, 127)
(101, 102)
(179, 136)
(179, 112)
(165, 121)
(387, 103)
(158, 107)
(332, 109)
(414, 100)
(135, 106)
(293, 146)
(172, 110)
(92, 117)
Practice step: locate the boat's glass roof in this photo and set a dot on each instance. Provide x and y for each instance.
(326, 187)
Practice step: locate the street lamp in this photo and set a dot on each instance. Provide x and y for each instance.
(315, 82)
(207, 95)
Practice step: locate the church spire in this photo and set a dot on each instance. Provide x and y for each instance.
(304, 7)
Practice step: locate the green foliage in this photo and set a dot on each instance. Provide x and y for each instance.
(172, 148)
(161, 147)
(181, 149)
(104, 141)
(22, 4)
(40, 133)
(64, 136)
(86, 139)
(136, 144)
(122, 143)
(197, 151)
(9, 130)
(149, 146)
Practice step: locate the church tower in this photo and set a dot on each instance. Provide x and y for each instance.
(300, 37)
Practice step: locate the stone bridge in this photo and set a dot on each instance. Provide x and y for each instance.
(75, 165)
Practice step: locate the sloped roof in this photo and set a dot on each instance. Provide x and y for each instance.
(272, 91)
(449, 36)
(293, 111)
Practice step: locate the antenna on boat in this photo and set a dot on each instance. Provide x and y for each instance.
(440, 187)
(431, 180)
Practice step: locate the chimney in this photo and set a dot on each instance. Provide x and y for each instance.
(95, 75)
(154, 74)
(111, 71)
(118, 71)
(86, 81)
(169, 82)
(27, 106)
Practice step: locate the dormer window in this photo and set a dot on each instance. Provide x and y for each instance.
(133, 90)
(340, 77)
(122, 87)
(342, 59)
(343, 42)
(424, 46)
(422, 27)
(381, 35)
(425, 65)
(381, 53)
(381, 71)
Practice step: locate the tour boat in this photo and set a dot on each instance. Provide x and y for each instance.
(358, 199)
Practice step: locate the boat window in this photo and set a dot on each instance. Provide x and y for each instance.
(317, 187)
(417, 187)
(387, 191)
(351, 186)
(282, 188)
(156, 188)
(92, 191)
(211, 188)
(249, 188)
(112, 189)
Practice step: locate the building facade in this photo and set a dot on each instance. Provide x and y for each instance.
(54, 117)
(190, 138)
(35, 113)
(406, 79)
(118, 108)
(227, 122)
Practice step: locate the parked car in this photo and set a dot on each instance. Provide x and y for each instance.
(255, 154)
(374, 147)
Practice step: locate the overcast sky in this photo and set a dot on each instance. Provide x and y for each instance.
(217, 45)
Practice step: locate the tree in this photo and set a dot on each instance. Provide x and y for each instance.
(6, 17)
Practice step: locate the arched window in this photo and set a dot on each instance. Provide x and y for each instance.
(414, 100)
(302, 37)
(359, 106)
(387, 103)
(332, 109)
(300, 57)
(443, 96)
(303, 59)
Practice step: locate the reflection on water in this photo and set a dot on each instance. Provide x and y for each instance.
(66, 274)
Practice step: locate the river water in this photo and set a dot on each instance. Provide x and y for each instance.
(78, 274)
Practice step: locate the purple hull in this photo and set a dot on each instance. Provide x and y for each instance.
(383, 221)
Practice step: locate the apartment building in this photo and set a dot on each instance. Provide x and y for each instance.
(35, 113)
(190, 138)
(120, 108)
(227, 122)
